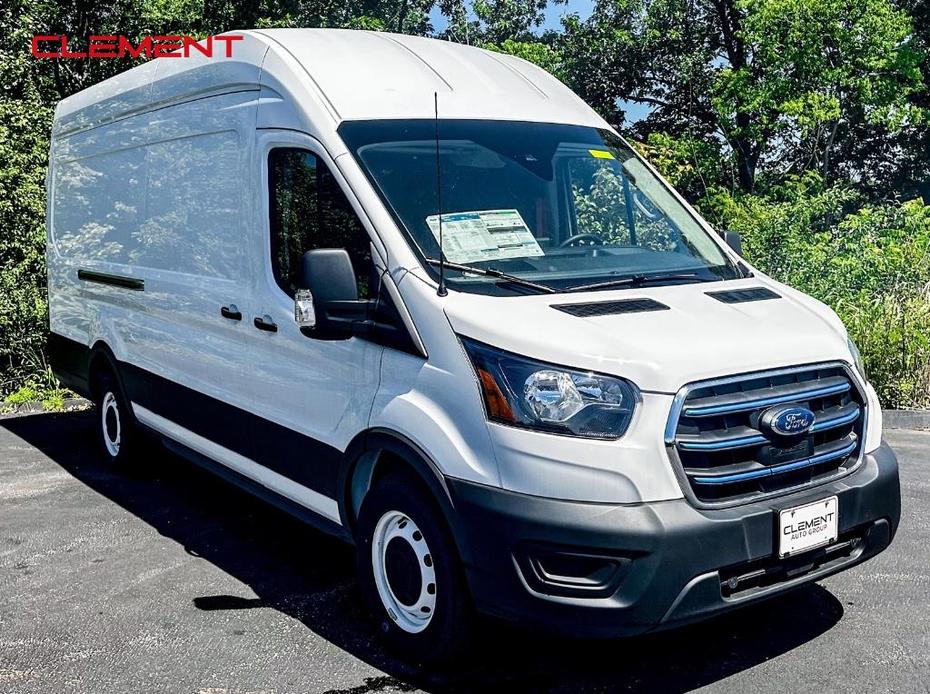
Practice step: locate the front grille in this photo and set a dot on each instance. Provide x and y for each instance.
(725, 456)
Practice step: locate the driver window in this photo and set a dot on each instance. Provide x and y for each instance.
(308, 211)
(607, 204)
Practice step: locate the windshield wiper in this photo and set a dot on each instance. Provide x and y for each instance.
(638, 280)
(492, 272)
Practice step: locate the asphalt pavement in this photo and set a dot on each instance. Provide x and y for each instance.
(166, 579)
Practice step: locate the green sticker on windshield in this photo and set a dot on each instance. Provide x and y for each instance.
(601, 154)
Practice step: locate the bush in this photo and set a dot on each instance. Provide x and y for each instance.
(870, 263)
(49, 395)
(23, 309)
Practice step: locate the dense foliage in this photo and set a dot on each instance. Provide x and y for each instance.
(799, 123)
(869, 261)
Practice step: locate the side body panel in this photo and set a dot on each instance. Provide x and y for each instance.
(435, 403)
(157, 198)
(321, 390)
(163, 199)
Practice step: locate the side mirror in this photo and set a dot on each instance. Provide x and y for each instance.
(734, 241)
(328, 306)
(328, 274)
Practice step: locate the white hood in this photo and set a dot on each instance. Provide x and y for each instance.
(699, 336)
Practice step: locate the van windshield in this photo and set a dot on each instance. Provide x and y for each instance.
(562, 206)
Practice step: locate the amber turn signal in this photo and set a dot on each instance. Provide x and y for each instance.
(494, 400)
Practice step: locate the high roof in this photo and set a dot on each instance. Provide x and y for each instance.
(364, 74)
(350, 75)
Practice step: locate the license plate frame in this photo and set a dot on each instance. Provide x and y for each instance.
(808, 526)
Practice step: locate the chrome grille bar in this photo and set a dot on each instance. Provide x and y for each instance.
(780, 469)
(728, 404)
(721, 444)
(726, 454)
(747, 436)
(840, 420)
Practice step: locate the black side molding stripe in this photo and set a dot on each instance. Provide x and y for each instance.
(302, 459)
(257, 489)
(113, 280)
(69, 361)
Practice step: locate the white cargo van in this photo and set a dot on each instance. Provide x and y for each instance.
(586, 412)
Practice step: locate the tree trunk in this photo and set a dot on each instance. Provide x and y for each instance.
(745, 150)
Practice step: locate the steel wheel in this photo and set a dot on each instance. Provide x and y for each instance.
(116, 433)
(111, 426)
(410, 573)
(403, 571)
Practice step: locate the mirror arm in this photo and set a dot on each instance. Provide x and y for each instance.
(347, 310)
(342, 327)
(337, 320)
(386, 334)
(330, 327)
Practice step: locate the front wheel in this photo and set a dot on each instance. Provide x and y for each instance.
(410, 573)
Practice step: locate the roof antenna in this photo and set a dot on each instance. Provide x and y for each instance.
(442, 291)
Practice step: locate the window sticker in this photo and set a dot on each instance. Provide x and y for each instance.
(470, 237)
(600, 154)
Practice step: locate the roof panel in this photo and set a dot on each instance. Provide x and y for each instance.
(369, 75)
(354, 67)
(351, 75)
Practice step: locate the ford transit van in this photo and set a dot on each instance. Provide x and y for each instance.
(425, 298)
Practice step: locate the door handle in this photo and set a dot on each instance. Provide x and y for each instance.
(265, 323)
(231, 312)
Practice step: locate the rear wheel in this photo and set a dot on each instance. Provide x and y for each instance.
(410, 573)
(116, 433)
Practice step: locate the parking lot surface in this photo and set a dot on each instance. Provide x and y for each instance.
(166, 579)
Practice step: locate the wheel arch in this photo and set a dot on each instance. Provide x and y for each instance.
(380, 452)
(102, 360)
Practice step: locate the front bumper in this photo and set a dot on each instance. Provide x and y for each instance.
(611, 570)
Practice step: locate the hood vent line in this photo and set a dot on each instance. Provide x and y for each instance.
(740, 296)
(609, 308)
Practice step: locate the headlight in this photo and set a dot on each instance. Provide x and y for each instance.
(527, 393)
(857, 359)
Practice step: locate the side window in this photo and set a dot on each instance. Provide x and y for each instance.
(308, 211)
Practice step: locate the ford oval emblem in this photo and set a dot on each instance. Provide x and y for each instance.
(786, 420)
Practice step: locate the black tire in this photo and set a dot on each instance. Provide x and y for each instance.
(117, 436)
(449, 625)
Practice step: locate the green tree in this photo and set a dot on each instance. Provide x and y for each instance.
(537, 52)
(23, 307)
(781, 82)
(499, 20)
(830, 64)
